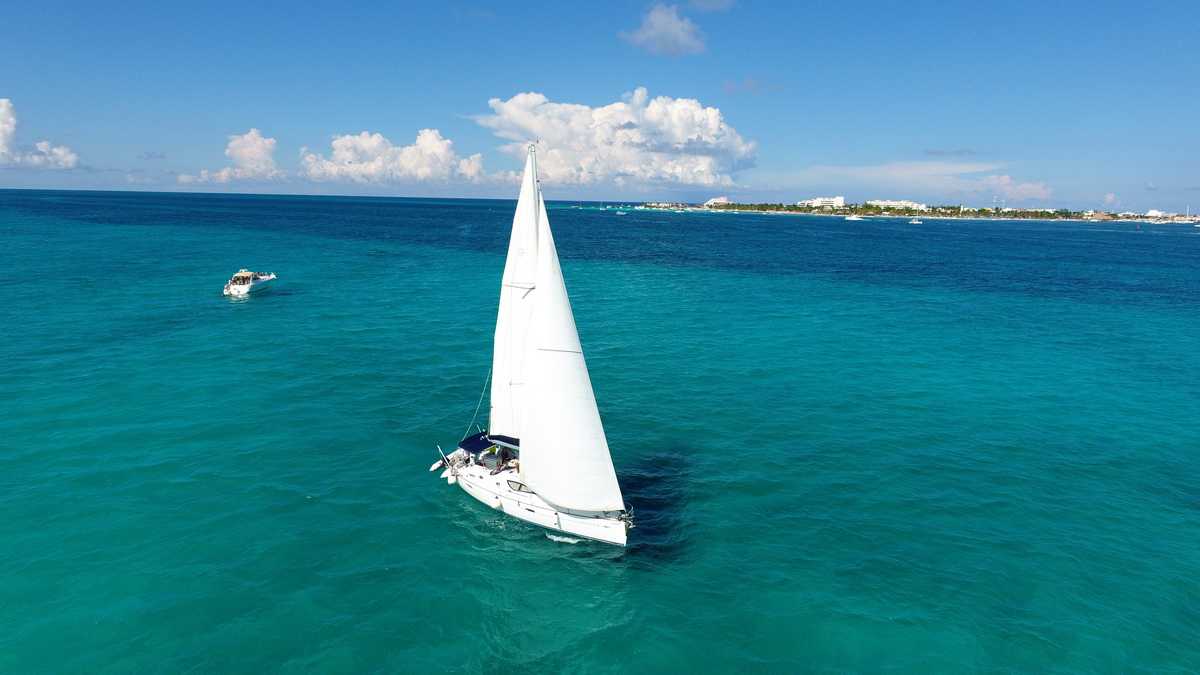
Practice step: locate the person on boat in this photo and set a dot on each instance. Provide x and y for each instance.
(503, 457)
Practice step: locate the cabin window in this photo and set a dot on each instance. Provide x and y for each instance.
(519, 487)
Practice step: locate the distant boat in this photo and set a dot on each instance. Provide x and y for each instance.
(544, 458)
(853, 217)
(916, 221)
(620, 213)
(245, 281)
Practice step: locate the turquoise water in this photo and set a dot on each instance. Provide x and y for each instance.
(954, 447)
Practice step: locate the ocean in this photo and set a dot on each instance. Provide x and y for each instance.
(962, 446)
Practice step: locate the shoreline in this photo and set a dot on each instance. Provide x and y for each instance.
(909, 216)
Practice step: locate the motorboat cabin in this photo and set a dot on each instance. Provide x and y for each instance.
(245, 281)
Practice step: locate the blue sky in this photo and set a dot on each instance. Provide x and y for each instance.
(1063, 104)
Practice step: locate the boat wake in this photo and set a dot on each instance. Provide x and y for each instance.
(561, 539)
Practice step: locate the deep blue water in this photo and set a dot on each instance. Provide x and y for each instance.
(963, 446)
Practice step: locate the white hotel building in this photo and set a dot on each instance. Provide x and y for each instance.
(824, 202)
(897, 204)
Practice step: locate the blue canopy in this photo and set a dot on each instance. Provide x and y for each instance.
(482, 441)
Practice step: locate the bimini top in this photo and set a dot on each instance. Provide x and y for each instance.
(482, 441)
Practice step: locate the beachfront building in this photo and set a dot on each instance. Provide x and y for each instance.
(716, 201)
(897, 204)
(824, 202)
(1155, 213)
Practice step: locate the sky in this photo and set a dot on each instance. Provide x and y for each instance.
(1067, 104)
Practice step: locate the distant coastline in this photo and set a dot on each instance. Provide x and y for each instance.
(933, 212)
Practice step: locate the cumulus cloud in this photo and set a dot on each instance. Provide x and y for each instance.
(253, 158)
(372, 158)
(940, 178)
(47, 156)
(43, 154)
(635, 140)
(663, 31)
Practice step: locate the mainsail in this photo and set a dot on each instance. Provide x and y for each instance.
(516, 304)
(564, 453)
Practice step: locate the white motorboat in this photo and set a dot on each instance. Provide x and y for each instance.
(544, 458)
(245, 281)
(916, 221)
(853, 217)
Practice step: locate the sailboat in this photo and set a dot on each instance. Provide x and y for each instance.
(544, 457)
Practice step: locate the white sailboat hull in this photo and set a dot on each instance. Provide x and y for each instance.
(494, 491)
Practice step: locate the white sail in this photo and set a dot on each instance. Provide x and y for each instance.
(564, 454)
(516, 304)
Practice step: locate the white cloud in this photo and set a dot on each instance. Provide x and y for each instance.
(471, 167)
(47, 156)
(663, 31)
(1008, 188)
(372, 158)
(8, 126)
(253, 158)
(635, 140)
(43, 155)
(1111, 199)
(933, 178)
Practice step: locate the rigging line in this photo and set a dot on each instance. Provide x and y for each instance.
(480, 403)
